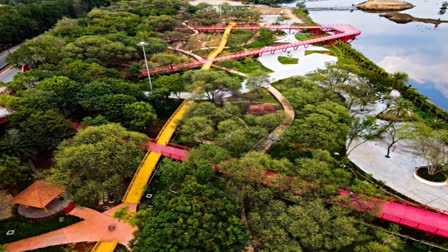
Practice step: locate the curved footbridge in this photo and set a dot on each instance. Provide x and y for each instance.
(328, 33)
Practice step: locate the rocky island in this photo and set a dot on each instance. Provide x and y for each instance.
(403, 18)
(384, 5)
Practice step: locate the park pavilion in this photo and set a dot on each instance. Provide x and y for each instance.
(40, 200)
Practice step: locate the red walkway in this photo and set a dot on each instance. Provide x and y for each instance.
(335, 32)
(421, 219)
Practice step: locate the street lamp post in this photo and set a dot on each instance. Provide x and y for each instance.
(143, 44)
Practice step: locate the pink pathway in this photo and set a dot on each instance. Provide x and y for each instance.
(93, 228)
(418, 218)
(336, 32)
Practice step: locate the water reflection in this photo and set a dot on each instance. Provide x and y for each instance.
(415, 48)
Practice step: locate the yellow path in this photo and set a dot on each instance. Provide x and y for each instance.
(104, 246)
(221, 46)
(147, 166)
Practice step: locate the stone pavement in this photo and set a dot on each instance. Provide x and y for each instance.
(397, 172)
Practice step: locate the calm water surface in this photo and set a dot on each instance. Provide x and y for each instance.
(419, 49)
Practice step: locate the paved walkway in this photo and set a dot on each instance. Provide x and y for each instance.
(264, 144)
(94, 227)
(397, 172)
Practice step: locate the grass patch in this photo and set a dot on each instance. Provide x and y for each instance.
(25, 228)
(287, 60)
(239, 37)
(302, 36)
(251, 64)
(438, 177)
(308, 52)
(391, 116)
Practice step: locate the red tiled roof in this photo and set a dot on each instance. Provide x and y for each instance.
(39, 194)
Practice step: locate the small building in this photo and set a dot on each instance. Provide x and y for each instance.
(40, 200)
(261, 109)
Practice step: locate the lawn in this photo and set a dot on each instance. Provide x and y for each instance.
(302, 36)
(287, 60)
(24, 228)
(251, 64)
(308, 52)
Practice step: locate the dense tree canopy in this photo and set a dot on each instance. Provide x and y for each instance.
(197, 218)
(98, 161)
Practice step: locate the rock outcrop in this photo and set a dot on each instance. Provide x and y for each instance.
(402, 18)
(384, 5)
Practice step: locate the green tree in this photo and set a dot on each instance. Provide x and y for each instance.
(66, 93)
(98, 161)
(163, 59)
(103, 50)
(257, 79)
(396, 132)
(160, 23)
(363, 130)
(173, 83)
(213, 84)
(45, 49)
(198, 218)
(196, 129)
(432, 146)
(12, 171)
(139, 115)
(43, 129)
(324, 126)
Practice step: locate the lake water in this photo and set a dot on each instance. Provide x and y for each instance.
(419, 49)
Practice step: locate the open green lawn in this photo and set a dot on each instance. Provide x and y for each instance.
(308, 52)
(302, 36)
(24, 228)
(251, 64)
(287, 60)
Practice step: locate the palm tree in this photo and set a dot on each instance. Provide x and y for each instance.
(401, 79)
(14, 145)
(400, 108)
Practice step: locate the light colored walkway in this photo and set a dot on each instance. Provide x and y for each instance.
(305, 65)
(94, 227)
(397, 172)
(264, 144)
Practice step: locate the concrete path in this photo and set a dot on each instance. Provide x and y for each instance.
(264, 144)
(397, 172)
(305, 65)
(94, 227)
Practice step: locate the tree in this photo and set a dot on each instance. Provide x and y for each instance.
(85, 72)
(98, 161)
(400, 109)
(257, 79)
(160, 23)
(163, 59)
(196, 129)
(66, 93)
(198, 218)
(103, 50)
(334, 74)
(139, 115)
(363, 130)
(432, 145)
(43, 129)
(213, 84)
(323, 126)
(12, 171)
(173, 83)
(45, 49)
(395, 133)
(266, 36)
